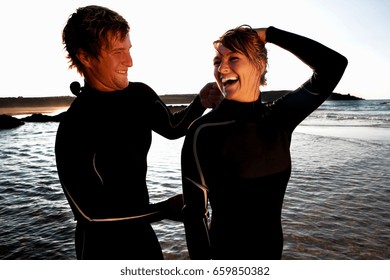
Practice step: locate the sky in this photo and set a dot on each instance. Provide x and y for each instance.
(172, 42)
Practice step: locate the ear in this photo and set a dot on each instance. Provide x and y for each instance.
(84, 57)
(263, 71)
(263, 67)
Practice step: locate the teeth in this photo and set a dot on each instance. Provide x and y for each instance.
(224, 80)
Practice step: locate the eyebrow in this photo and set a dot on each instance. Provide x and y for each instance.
(119, 49)
(226, 54)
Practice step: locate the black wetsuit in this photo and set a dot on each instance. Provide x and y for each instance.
(238, 158)
(101, 152)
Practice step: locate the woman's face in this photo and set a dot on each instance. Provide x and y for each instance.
(237, 77)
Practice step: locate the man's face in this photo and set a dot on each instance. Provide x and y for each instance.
(109, 72)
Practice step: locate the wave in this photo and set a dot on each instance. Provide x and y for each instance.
(378, 118)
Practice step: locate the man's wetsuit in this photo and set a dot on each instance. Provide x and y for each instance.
(101, 153)
(238, 158)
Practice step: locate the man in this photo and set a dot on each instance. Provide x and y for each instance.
(103, 141)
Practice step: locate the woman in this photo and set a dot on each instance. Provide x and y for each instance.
(237, 156)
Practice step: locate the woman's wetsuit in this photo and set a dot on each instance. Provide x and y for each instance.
(238, 158)
(101, 152)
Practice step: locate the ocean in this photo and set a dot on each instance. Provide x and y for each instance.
(336, 206)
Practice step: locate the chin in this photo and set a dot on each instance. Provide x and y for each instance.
(231, 95)
(124, 85)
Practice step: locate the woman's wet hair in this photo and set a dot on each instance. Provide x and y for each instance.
(244, 39)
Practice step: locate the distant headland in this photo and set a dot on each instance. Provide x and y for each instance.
(9, 105)
(269, 96)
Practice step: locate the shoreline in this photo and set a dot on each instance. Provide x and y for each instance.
(54, 105)
(21, 111)
(52, 111)
(14, 106)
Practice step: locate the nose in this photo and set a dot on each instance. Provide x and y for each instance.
(128, 60)
(223, 67)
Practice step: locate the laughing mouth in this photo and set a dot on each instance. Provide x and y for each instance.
(229, 81)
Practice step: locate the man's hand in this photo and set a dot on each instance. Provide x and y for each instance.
(210, 95)
(173, 208)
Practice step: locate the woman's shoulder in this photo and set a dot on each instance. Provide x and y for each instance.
(209, 119)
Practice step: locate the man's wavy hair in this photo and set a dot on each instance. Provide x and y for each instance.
(90, 29)
(244, 39)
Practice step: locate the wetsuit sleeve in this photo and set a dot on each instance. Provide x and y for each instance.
(89, 199)
(195, 211)
(83, 213)
(328, 67)
(174, 125)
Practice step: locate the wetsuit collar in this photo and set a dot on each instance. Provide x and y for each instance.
(90, 90)
(244, 111)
